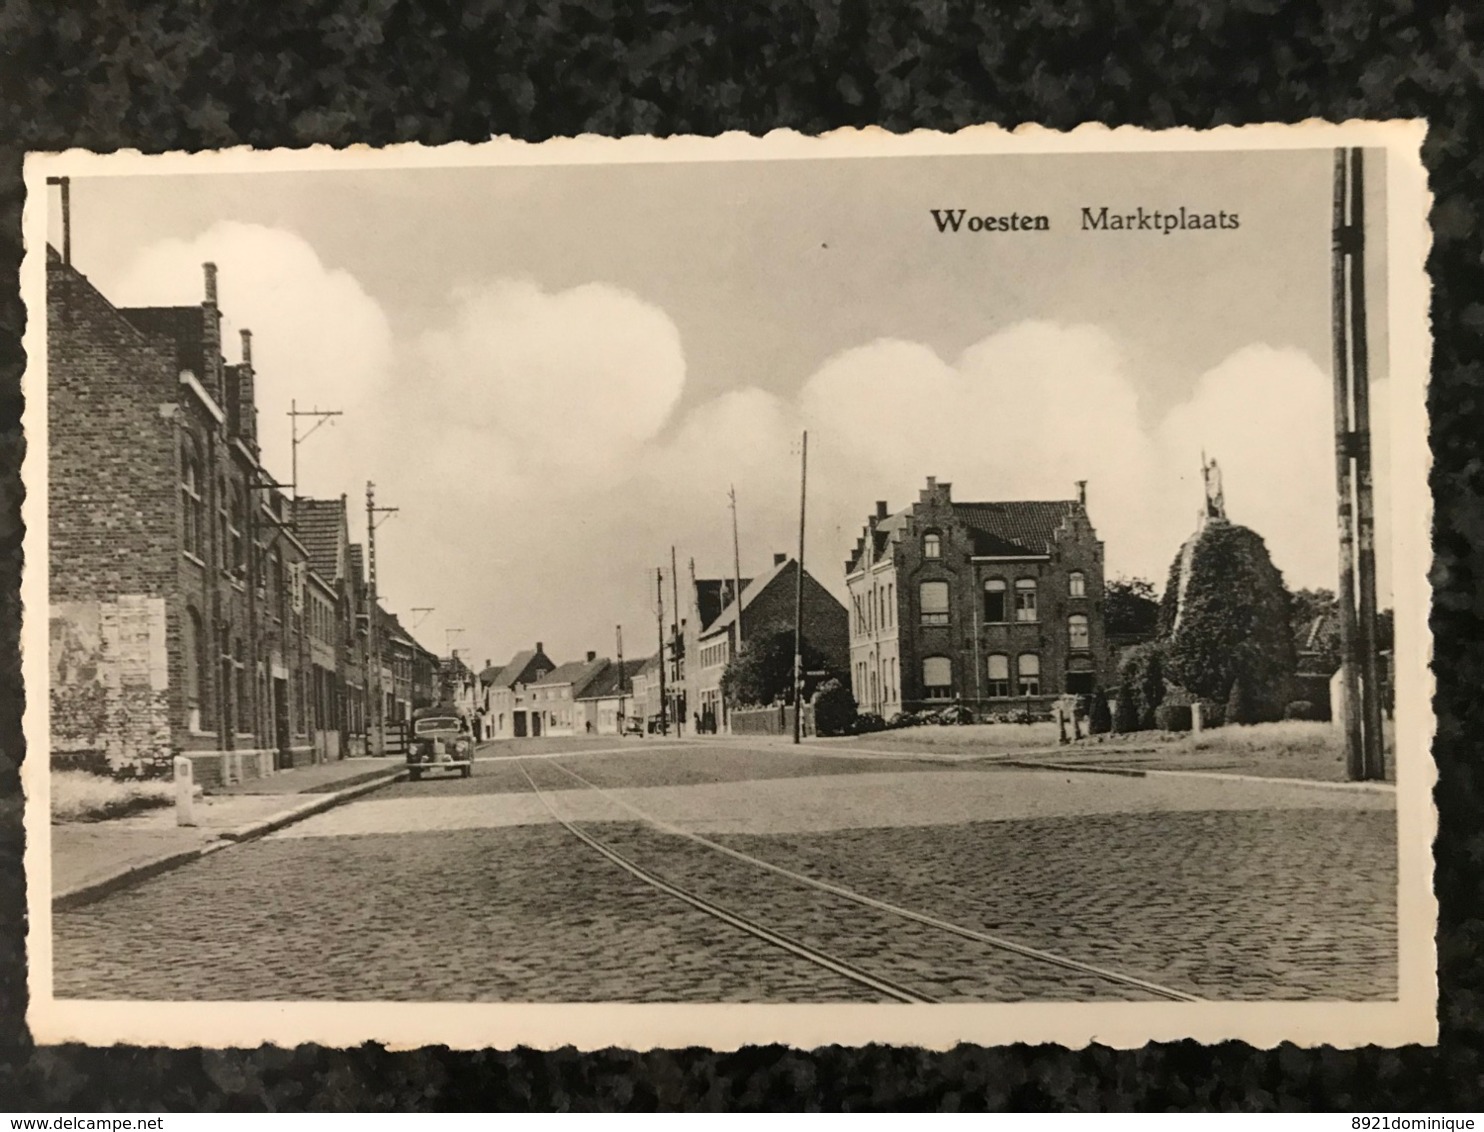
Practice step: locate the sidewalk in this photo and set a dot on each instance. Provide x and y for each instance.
(317, 779)
(91, 859)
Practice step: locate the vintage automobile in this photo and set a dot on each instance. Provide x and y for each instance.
(440, 741)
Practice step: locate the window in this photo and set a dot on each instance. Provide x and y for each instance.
(1077, 637)
(932, 546)
(237, 554)
(244, 713)
(1028, 668)
(190, 496)
(994, 600)
(933, 596)
(891, 606)
(1025, 599)
(937, 678)
(222, 540)
(1076, 584)
(197, 679)
(999, 674)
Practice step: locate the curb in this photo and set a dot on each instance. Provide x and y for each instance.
(1073, 768)
(307, 809)
(134, 874)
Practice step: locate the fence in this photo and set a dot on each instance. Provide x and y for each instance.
(778, 720)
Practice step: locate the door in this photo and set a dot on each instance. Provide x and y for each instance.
(281, 737)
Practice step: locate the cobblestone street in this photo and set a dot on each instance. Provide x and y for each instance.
(468, 890)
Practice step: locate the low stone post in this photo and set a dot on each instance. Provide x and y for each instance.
(185, 792)
(1061, 724)
(1197, 717)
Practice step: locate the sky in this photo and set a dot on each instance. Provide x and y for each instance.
(556, 372)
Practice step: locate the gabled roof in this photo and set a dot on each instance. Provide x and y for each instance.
(607, 682)
(320, 523)
(509, 675)
(750, 594)
(1012, 529)
(578, 673)
(1027, 527)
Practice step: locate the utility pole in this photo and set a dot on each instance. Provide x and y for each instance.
(675, 646)
(377, 722)
(659, 592)
(618, 645)
(799, 596)
(423, 610)
(1356, 594)
(321, 416)
(736, 595)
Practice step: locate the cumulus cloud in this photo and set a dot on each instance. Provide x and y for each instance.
(581, 376)
(318, 337)
(532, 441)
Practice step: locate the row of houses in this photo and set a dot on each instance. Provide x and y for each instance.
(995, 606)
(197, 607)
(680, 688)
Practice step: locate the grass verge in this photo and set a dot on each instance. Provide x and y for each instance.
(81, 797)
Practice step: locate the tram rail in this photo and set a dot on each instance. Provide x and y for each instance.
(1121, 979)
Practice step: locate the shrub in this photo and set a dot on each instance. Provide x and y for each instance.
(1100, 718)
(868, 721)
(901, 719)
(1143, 676)
(957, 715)
(1301, 709)
(1213, 714)
(1241, 705)
(1226, 612)
(834, 709)
(1125, 711)
(1173, 717)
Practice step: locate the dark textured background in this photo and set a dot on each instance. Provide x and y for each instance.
(203, 75)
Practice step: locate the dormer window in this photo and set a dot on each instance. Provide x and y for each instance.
(932, 545)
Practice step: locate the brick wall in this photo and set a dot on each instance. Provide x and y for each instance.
(111, 448)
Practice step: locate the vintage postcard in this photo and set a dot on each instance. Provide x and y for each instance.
(867, 588)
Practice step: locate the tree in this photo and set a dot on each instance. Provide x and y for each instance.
(1130, 608)
(763, 673)
(1143, 682)
(1316, 629)
(1125, 711)
(1231, 616)
(1100, 718)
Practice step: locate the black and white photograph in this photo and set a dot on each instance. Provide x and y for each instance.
(919, 589)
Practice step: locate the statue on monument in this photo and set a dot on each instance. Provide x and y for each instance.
(1215, 500)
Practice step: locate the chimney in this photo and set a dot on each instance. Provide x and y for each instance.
(880, 509)
(779, 559)
(591, 656)
(488, 663)
(210, 270)
(932, 482)
(247, 348)
(1082, 492)
(539, 648)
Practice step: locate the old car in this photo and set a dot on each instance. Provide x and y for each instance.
(440, 741)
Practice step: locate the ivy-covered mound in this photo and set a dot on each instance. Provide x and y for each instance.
(1225, 621)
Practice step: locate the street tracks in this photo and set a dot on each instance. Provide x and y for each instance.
(958, 962)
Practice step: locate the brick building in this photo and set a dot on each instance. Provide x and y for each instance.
(768, 604)
(509, 711)
(180, 621)
(554, 697)
(994, 605)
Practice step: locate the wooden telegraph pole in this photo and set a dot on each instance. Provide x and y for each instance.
(1356, 594)
(799, 596)
(659, 590)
